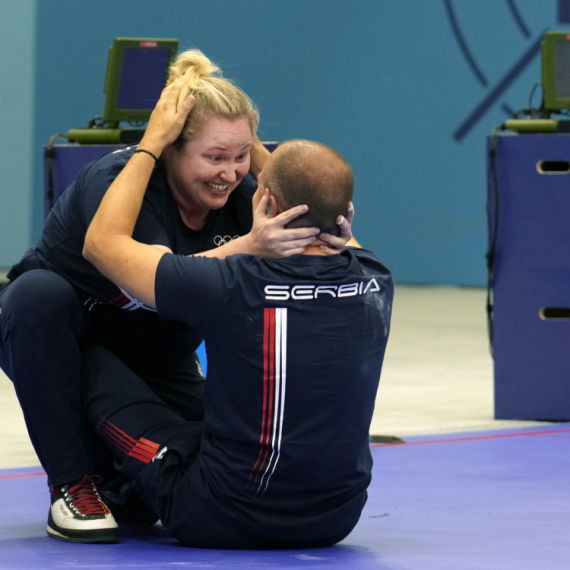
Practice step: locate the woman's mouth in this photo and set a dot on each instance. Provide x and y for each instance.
(217, 187)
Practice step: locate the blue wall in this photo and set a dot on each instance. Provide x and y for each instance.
(17, 41)
(406, 90)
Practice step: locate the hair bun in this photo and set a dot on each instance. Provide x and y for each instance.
(214, 94)
(195, 66)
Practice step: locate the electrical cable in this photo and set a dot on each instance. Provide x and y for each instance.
(49, 154)
(493, 225)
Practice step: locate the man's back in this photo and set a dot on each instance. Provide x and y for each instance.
(295, 349)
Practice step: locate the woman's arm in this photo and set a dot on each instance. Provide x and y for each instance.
(108, 243)
(132, 265)
(259, 156)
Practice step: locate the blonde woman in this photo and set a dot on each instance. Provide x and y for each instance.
(198, 198)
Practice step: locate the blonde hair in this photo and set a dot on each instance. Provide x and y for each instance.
(215, 95)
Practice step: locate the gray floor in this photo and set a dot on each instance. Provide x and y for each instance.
(437, 375)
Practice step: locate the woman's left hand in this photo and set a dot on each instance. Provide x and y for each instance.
(335, 243)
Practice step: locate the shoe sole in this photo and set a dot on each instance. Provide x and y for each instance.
(100, 536)
(107, 535)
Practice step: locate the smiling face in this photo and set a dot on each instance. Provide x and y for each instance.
(208, 168)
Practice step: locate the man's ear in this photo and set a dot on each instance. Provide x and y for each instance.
(273, 209)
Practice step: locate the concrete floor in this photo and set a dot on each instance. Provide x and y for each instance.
(438, 371)
(437, 375)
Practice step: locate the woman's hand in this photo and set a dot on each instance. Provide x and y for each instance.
(167, 119)
(268, 236)
(335, 243)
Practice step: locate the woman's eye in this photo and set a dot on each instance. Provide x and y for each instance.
(215, 158)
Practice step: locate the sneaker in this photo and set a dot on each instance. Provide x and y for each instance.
(77, 514)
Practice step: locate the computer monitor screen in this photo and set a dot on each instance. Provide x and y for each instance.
(562, 75)
(136, 73)
(556, 71)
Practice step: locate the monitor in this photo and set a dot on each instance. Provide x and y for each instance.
(556, 71)
(137, 70)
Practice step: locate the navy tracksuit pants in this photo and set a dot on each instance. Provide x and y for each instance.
(43, 328)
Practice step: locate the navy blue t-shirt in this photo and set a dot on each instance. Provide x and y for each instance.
(159, 223)
(295, 350)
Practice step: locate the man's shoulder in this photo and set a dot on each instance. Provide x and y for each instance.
(367, 258)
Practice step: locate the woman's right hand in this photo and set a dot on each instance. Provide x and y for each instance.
(167, 119)
(268, 236)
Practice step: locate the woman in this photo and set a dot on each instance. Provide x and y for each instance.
(198, 198)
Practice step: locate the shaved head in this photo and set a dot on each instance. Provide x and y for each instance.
(307, 172)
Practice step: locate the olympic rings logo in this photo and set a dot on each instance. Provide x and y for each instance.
(221, 240)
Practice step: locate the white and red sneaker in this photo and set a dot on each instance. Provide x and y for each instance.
(77, 514)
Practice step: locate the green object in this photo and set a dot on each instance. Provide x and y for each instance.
(137, 70)
(105, 136)
(555, 50)
(532, 125)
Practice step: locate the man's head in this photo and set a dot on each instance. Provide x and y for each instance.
(311, 173)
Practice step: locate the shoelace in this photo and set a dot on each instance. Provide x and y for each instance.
(85, 498)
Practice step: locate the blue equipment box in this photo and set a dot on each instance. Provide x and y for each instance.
(529, 216)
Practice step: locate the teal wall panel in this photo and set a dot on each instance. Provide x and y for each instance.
(17, 40)
(406, 90)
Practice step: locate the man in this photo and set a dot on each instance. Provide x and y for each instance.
(295, 350)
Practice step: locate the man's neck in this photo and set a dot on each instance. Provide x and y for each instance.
(316, 250)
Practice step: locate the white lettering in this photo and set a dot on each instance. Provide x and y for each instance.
(372, 283)
(277, 292)
(348, 290)
(305, 292)
(301, 292)
(328, 289)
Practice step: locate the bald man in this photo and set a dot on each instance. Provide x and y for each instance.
(295, 351)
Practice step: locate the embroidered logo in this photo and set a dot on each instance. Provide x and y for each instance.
(221, 240)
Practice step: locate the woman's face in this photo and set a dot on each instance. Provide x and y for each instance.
(208, 168)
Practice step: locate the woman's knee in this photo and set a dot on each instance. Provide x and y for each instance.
(43, 300)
